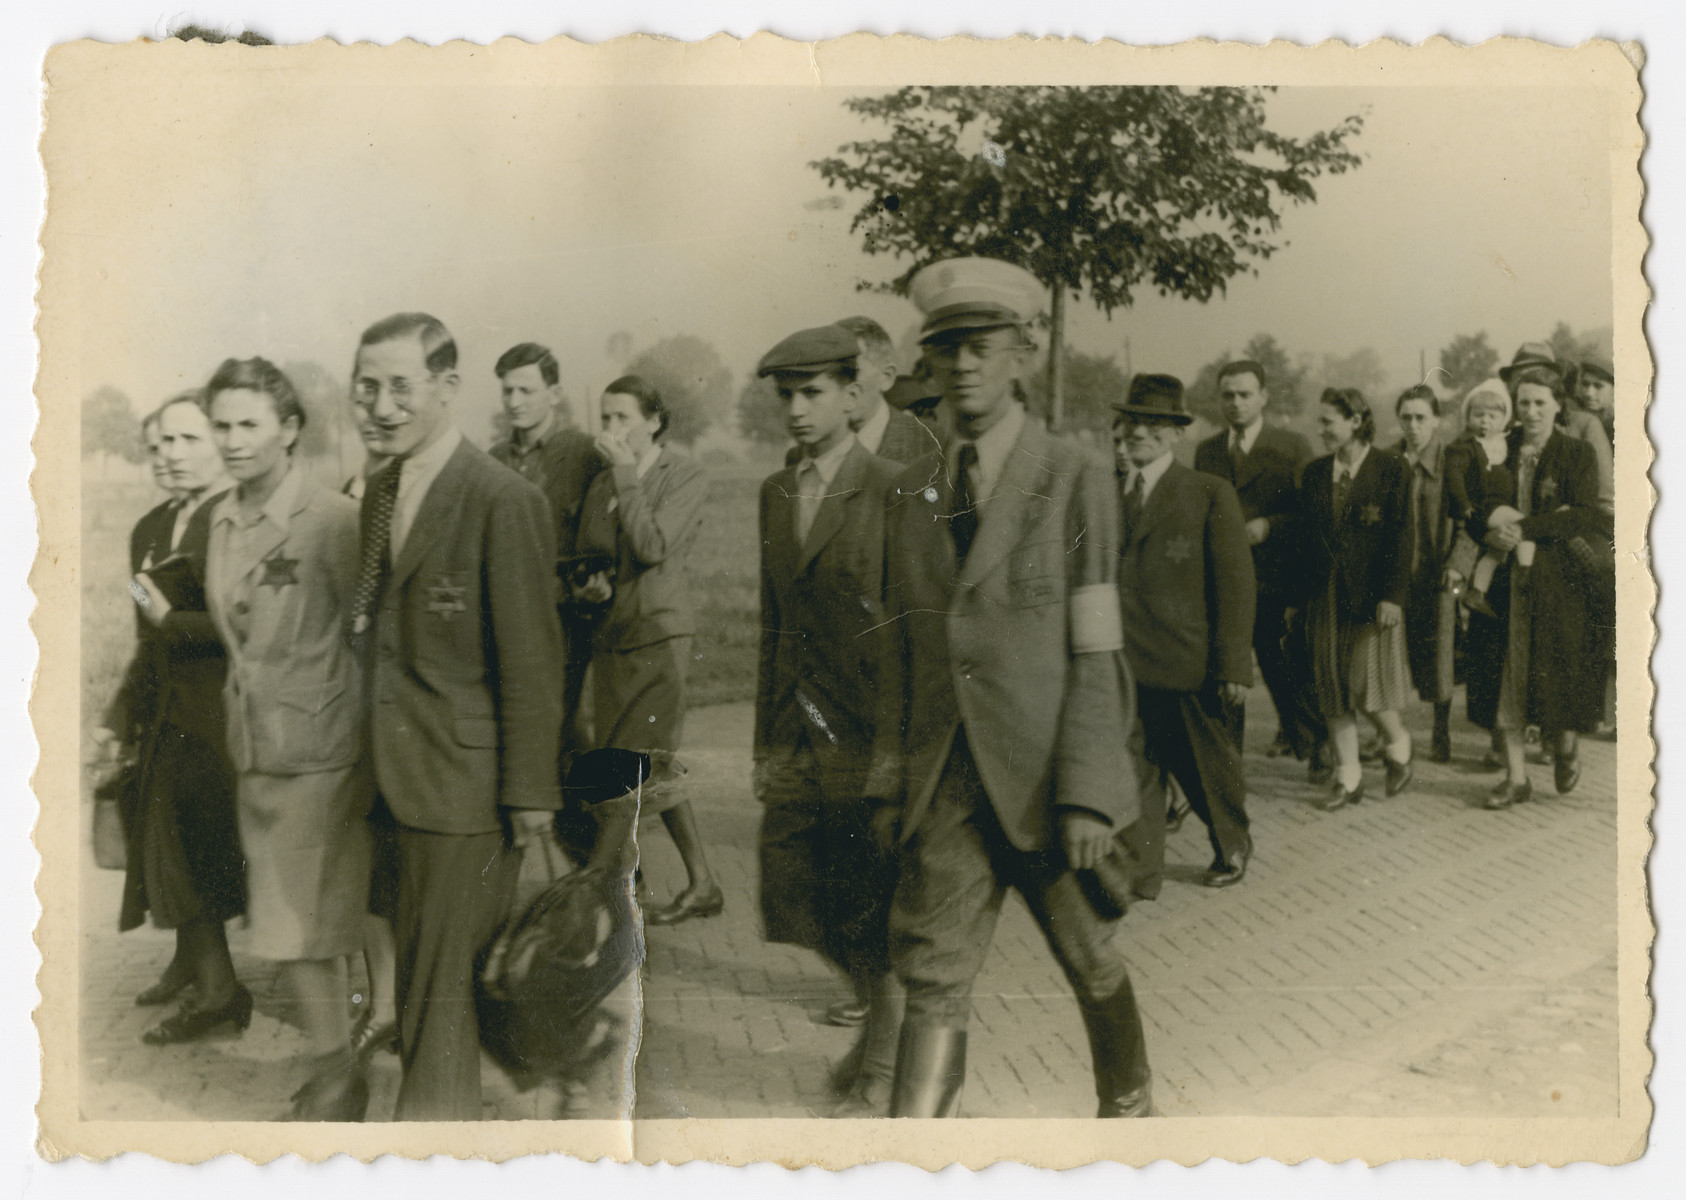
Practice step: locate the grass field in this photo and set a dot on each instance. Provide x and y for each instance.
(724, 566)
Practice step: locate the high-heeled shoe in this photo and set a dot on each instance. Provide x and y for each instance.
(690, 904)
(338, 1090)
(369, 1039)
(1566, 771)
(191, 1022)
(164, 991)
(1508, 794)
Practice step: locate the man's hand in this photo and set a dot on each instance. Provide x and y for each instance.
(108, 748)
(1087, 839)
(1233, 693)
(1258, 529)
(1389, 614)
(1504, 538)
(595, 590)
(530, 825)
(149, 599)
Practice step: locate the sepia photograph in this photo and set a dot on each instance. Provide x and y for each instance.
(618, 591)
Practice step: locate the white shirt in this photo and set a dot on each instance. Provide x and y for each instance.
(1246, 435)
(414, 480)
(1151, 474)
(1343, 471)
(827, 464)
(993, 447)
(871, 434)
(813, 477)
(184, 514)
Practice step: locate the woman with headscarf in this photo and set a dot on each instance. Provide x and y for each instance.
(281, 576)
(638, 525)
(1354, 512)
(1530, 663)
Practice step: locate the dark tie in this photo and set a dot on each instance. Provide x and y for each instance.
(963, 522)
(1424, 542)
(381, 497)
(1236, 456)
(1343, 487)
(1132, 505)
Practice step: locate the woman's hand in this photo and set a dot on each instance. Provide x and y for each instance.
(1389, 614)
(149, 599)
(1503, 538)
(613, 447)
(595, 590)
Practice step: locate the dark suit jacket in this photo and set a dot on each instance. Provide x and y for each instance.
(1185, 584)
(1367, 547)
(648, 527)
(191, 664)
(993, 646)
(132, 707)
(466, 654)
(1266, 487)
(562, 467)
(821, 612)
(906, 439)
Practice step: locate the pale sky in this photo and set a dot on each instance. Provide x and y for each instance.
(283, 226)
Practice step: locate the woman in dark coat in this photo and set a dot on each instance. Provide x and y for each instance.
(1430, 610)
(1356, 568)
(1533, 665)
(185, 867)
(640, 521)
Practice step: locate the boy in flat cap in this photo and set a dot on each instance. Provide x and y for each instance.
(1001, 758)
(826, 881)
(1185, 584)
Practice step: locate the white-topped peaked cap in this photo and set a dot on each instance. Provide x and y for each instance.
(975, 293)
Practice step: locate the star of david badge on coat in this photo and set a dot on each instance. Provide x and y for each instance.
(1548, 492)
(445, 598)
(1372, 514)
(279, 571)
(1179, 548)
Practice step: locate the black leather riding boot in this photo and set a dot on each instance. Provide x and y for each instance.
(1123, 1081)
(930, 1068)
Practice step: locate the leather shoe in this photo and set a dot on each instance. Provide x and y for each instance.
(337, 1091)
(847, 1014)
(190, 1022)
(1174, 818)
(1507, 794)
(164, 991)
(868, 1097)
(690, 904)
(369, 1039)
(1566, 770)
(1231, 872)
(1338, 797)
(1399, 776)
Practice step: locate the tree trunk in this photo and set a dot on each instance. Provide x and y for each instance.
(1056, 359)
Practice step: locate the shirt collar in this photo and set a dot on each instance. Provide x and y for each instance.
(871, 432)
(1427, 459)
(829, 463)
(996, 442)
(426, 462)
(1342, 471)
(525, 441)
(649, 459)
(1247, 434)
(1152, 473)
(277, 510)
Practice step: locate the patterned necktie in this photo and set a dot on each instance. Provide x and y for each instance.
(381, 498)
(810, 488)
(1133, 499)
(963, 522)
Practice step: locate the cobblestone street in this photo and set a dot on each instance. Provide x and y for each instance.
(1413, 957)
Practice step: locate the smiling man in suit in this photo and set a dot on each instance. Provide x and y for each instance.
(1263, 464)
(1185, 583)
(826, 881)
(456, 608)
(1001, 748)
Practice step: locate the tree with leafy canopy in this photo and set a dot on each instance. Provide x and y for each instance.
(1570, 346)
(1092, 383)
(693, 380)
(1097, 189)
(1286, 381)
(1467, 360)
(110, 426)
(760, 414)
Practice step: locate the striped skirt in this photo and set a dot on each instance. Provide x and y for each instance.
(1355, 668)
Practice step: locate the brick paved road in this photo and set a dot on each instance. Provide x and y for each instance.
(1411, 957)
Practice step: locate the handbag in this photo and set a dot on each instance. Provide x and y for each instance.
(111, 847)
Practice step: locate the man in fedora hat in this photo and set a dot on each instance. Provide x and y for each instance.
(1576, 422)
(1001, 757)
(1185, 584)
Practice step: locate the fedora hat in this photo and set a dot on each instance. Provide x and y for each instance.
(1154, 397)
(1531, 354)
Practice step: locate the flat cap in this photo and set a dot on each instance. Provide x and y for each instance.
(810, 351)
(1598, 368)
(975, 293)
(909, 390)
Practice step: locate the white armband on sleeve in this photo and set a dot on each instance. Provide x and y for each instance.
(1097, 623)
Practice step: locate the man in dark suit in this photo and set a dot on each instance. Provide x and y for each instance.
(1185, 584)
(1263, 464)
(826, 881)
(456, 607)
(561, 462)
(882, 429)
(1005, 694)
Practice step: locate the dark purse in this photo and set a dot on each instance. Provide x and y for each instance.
(111, 847)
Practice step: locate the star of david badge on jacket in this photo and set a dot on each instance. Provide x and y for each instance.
(445, 598)
(1372, 514)
(279, 571)
(1179, 548)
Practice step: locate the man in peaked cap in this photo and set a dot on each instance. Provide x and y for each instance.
(1001, 757)
(826, 879)
(1185, 584)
